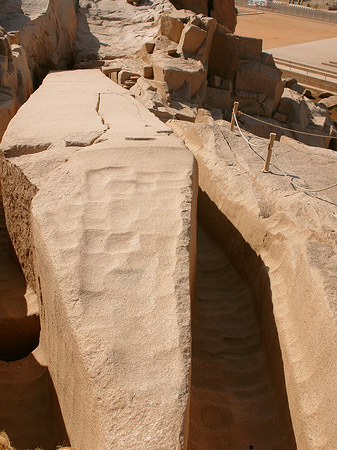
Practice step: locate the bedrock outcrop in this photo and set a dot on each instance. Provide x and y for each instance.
(15, 79)
(222, 10)
(35, 37)
(179, 60)
(283, 241)
(106, 200)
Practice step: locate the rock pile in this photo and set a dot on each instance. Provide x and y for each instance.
(297, 117)
(193, 61)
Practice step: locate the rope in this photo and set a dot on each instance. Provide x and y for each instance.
(248, 142)
(315, 190)
(295, 185)
(287, 129)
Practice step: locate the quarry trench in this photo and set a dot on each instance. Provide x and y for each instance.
(237, 394)
(29, 411)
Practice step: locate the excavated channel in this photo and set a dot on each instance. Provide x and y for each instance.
(19, 320)
(238, 397)
(29, 409)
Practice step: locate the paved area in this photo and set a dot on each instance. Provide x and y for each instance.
(313, 53)
(278, 30)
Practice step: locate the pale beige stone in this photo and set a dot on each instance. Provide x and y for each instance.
(255, 77)
(293, 234)
(110, 228)
(219, 98)
(330, 102)
(191, 39)
(171, 27)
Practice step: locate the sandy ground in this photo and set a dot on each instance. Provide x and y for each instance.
(278, 30)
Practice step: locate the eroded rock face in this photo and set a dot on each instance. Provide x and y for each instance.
(296, 117)
(35, 37)
(111, 229)
(223, 11)
(293, 238)
(190, 57)
(15, 78)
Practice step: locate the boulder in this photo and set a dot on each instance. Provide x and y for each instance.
(225, 13)
(267, 59)
(183, 82)
(171, 26)
(259, 78)
(227, 50)
(191, 39)
(295, 114)
(329, 102)
(219, 98)
(290, 81)
(325, 95)
(124, 75)
(222, 10)
(148, 72)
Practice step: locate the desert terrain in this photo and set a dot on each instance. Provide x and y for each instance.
(279, 30)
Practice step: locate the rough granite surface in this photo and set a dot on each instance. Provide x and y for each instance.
(110, 237)
(294, 234)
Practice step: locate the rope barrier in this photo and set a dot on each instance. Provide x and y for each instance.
(287, 129)
(248, 142)
(295, 185)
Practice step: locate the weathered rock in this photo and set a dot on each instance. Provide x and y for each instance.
(255, 77)
(125, 75)
(46, 31)
(300, 115)
(280, 117)
(267, 59)
(112, 206)
(262, 217)
(183, 111)
(15, 80)
(298, 88)
(183, 82)
(223, 11)
(191, 39)
(251, 75)
(325, 94)
(219, 98)
(290, 81)
(123, 23)
(329, 102)
(148, 72)
(171, 26)
(227, 49)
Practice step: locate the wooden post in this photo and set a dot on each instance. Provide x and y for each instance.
(272, 137)
(234, 113)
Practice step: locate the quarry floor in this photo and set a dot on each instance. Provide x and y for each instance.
(279, 30)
